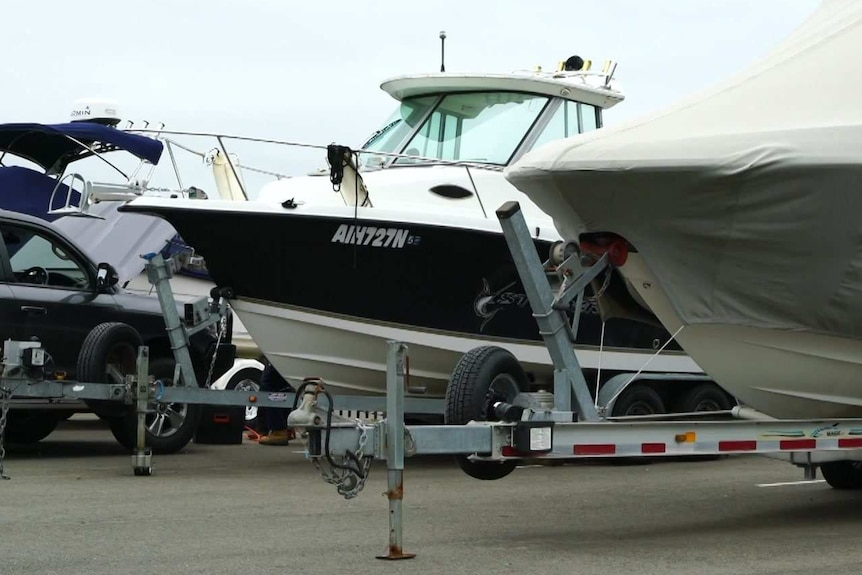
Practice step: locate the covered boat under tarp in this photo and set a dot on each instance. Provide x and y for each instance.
(745, 200)
(742, 209)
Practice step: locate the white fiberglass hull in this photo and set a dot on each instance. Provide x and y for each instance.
(186, 288)
(785, 374)
(350, 355)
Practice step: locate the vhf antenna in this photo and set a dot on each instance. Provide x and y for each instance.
(442, 50)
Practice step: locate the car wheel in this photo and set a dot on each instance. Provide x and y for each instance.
(26, 426)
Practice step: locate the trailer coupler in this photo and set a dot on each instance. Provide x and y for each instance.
(349, 470)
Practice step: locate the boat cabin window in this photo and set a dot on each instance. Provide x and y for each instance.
(589, 118)
(568, 121)
(482, 127)
(397, 127)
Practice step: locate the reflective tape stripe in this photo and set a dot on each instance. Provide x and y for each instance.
(737, 445)
(797, 444)
(595, 449)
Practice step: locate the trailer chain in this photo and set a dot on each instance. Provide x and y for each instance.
(601, 291)
(409, 443)
(347, 482)
(5, 401)
(222, 327)
(346, 490)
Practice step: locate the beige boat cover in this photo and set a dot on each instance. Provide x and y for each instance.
(744, 200)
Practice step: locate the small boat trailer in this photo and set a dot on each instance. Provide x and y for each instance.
(26, 368)
(567, 426)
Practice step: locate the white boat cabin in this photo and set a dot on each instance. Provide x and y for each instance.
(457, 132)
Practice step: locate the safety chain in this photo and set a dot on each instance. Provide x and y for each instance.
(347, 481)
(605, 284)
(409, 443)
(222, 327)
(5, 400)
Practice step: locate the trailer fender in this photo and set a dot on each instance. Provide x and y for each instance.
(615, 386)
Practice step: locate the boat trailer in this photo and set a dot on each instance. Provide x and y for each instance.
(26, 367)
(527, 427)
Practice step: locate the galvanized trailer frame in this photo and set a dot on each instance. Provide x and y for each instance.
(525, 430)
(22, 375)
(574, 428)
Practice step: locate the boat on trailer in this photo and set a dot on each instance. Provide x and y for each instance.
(40, 175)
(739, 212)
(400, 241)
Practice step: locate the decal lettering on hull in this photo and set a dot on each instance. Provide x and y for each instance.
(374, 236)
(489, 302)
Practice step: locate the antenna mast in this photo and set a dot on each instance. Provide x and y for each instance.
(442, 50)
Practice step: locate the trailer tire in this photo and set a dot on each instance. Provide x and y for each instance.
(481, 376)
(703, 397)
(639, 399)
(170, 440)
(842, 474)
(29, 426)
(108, 343)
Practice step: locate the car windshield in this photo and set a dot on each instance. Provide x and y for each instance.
(481, 127)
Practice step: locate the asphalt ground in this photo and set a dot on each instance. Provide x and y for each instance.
(73, 506)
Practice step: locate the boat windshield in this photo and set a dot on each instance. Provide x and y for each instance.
(481, 127)
(397, 127)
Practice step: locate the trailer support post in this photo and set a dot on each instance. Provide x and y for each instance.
(395, 429)
(142, 456)
(553, 322)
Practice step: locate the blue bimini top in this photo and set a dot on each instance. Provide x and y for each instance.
(54, 146)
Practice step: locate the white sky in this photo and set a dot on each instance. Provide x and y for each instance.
(310, 70)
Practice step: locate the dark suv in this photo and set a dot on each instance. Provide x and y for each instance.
(48, 291)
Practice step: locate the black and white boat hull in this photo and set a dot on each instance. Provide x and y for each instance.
(321, 291)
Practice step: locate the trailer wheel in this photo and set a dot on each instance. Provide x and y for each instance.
(172, 425)
(107, 345)
(483, 376)
(26, 426)
(842, 474)
(704, 397)
(247, 379)
(639, 399)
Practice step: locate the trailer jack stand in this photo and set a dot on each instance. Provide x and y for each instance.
(142, 462)
(395, 494)
(395, 383)
(142, 456)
